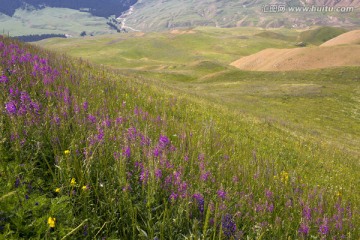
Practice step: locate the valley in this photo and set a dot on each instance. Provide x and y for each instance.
(304, 101)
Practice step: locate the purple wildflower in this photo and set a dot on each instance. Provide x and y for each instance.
(158, 173)
(107, 123)
(205, 176)
(306, 213)
(24, 97)
(182, 189)
(228, 226)
(221, 194)
(119, 120)
(92, 119)
(156, 152)
(132, 133)
(200, 201)
(85, 230)
(11, 107)
(259, 207)
(17, 182)
(35, 107)
(85, 106)
(57, 120)
(127, 152)
(144, 175)
(101, 134)
(163, 141)
(268, 194)
(145, 141)
(324, 228)
(4, 79)
(173, 197)
(270, 207)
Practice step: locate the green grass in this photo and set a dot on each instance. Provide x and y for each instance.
(224, 132)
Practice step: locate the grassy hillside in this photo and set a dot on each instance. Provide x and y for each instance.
(159, 15)
(306, 103)
(320, 35)
(171, 51)
(300, 59)
(88, 152)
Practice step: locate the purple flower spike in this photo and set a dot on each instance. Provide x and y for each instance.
(173, 197)
(85, 106)
(158, 173)
(4, 79)
(200, 201)
(221, 194)
(228, 226)
(324, 228)
(306, 213)
(127, 152)
(11, 107)
(163, 141)
(92, 119)
(304, 229)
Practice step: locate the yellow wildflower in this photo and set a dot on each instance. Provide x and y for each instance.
(84, 188)
(284, 176)
(67, 152)
(51, 222)
(57, 190)
(73, 182)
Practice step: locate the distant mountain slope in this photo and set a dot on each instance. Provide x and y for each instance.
(53, 21)
(352, 37)
(102, 8)
(149, 15)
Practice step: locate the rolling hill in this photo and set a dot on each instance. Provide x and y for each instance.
(352, 37)
(300, 58)
(319, 35)
(342, 50)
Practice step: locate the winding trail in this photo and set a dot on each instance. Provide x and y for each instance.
(122, 19)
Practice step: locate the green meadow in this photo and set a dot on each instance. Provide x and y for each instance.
(156, 136)
(320, 104)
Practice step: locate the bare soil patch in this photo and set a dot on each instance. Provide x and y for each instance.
(300, 58)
